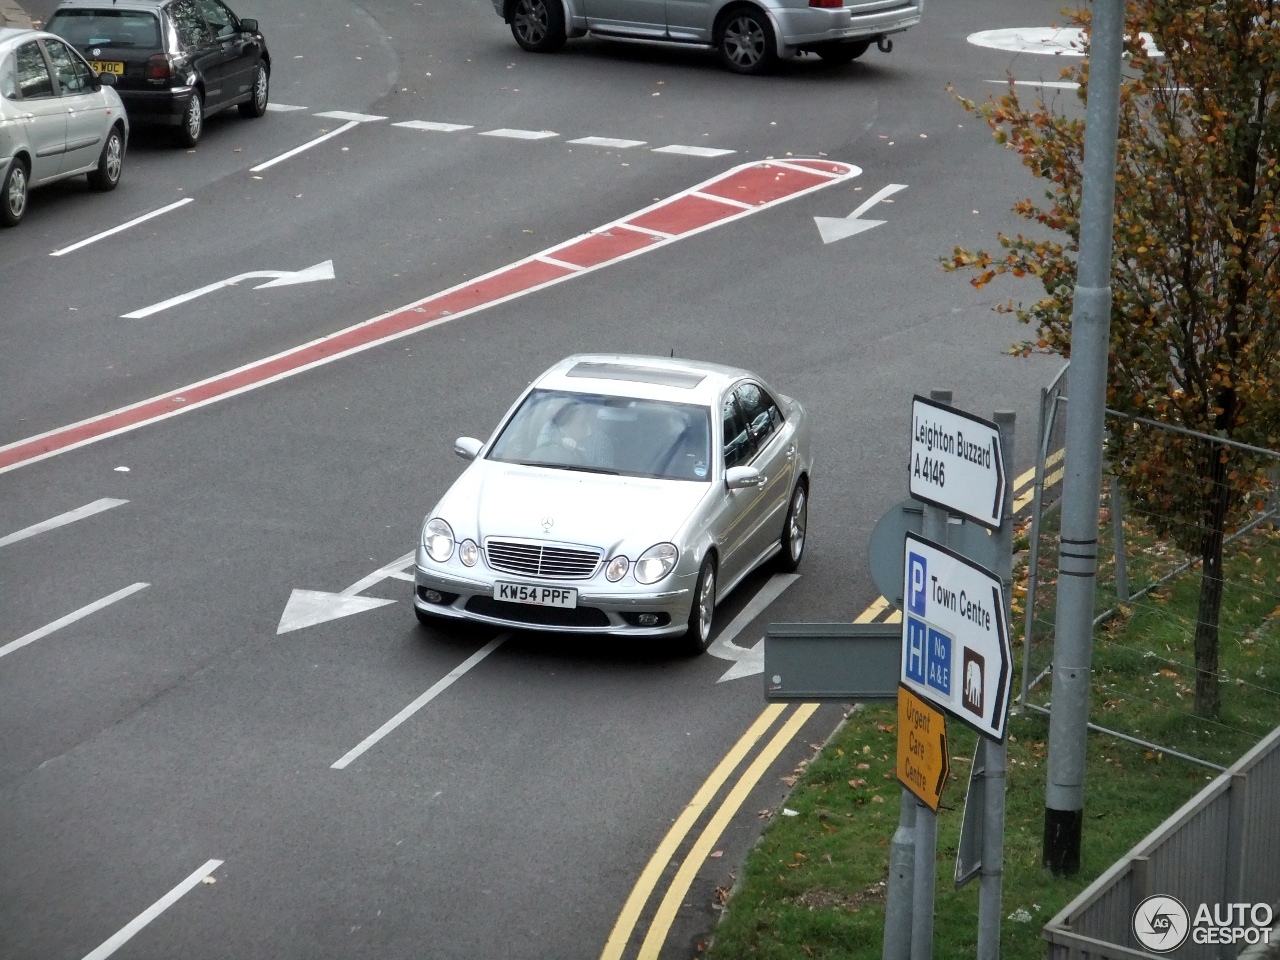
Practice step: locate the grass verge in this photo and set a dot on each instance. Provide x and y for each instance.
(814, 884)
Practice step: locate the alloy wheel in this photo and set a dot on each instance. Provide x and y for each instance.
(706, 604)
(195, 119)
(260, 89)
(531, 21)
(799, 523)
(115, 158)
(17, 196)
(744, 42)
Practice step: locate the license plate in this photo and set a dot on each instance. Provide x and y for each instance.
(108, 66)
(538, 595)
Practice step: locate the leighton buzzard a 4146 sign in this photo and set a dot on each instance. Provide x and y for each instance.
(956, 462)
(955, 641)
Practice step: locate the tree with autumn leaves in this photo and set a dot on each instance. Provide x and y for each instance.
(1195, 316)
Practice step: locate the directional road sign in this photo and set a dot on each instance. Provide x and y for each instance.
(923, 759)
(955, 641)
(956, 462)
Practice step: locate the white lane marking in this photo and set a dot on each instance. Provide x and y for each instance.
(608, 142)
(560, 263)
(749, 661)
(871, 201)
(433, 125)
(62, 519)
(280, 278)
(1056, 84)
(733, 203)
(127, 932)
(520, 134)
(306, 146)
(382, 573)
(1054, 41)
(124, 226)
(809, 170)
(307, 608)
(347, 115)
(693, 151)
(283, 107)
(645, 230)
(438, 688)
(58, 624)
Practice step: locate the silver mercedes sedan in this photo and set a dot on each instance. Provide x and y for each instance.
(620, 495)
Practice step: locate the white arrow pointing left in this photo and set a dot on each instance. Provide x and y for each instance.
(306, 608)
(748, 661)
(275, 278)
(837, 228)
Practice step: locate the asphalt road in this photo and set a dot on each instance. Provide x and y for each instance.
(512, 815)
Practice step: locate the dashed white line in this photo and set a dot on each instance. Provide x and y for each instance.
(608, 142)
(70, 618)
(693, 151)
(647, 231)
(306, 146)
(127, 932)
(808, 170)
(62, 519)
(347, 115)
(438, 688)
(283, 107)
(520, 134)
(559, 263)
(434, 125)
(124, 226)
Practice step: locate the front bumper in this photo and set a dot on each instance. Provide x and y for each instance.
(805, 26)
(162, 107)
(603, 608)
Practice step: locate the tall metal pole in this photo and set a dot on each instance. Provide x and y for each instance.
(933, 528)
(1082, 482)
(995, 755)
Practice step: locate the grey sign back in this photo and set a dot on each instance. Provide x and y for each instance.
(846, 662)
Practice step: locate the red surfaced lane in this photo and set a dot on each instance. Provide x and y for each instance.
(761, 184)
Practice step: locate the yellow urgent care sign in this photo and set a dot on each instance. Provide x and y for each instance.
(923, 763)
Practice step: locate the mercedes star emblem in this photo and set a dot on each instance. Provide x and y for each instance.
(547, 524)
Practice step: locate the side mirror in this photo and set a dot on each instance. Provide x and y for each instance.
(248, 25)
(467, 447)
(742, 478)
(104, 80)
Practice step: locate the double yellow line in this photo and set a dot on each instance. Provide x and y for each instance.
(656, 935)
(665, 915)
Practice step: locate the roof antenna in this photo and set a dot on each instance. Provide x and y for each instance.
(673, 352)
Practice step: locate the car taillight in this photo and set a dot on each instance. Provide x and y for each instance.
(158, 67)
(826, 3)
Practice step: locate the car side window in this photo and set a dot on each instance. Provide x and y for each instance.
(760, 412)
(73, 74)
(192, 29)
(738, 446)
(8, 84)
(33, 75)
(222, 20)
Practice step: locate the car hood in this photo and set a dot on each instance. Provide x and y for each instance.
(617, 514)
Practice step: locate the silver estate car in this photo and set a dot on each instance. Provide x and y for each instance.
(620, 495)
(748, 35)
(58, 119)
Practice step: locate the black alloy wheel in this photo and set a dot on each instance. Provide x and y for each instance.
(538, 25)
(110, 163)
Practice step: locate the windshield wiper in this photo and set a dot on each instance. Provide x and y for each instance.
(567, 466)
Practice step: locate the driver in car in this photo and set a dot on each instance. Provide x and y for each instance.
(575, 428)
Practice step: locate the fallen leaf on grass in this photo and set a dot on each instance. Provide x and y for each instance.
(857, 783)
(864, 766)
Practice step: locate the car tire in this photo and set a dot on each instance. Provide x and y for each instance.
(14, 190)
(795, 529)
(842, 53)
(697, 637)
(745, 41)
(538, 25)
(192, 127)
(256, 105)
(110, 163)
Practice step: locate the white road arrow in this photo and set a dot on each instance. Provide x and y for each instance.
(279, 278)
(837, 228)
(306, 608)
(748, 661)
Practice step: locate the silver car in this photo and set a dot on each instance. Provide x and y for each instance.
(620, 495)
(748, 35)
(58, 119)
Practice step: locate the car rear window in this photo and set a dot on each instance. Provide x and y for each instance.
(107, 28)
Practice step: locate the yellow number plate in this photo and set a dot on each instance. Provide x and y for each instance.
(108, 66)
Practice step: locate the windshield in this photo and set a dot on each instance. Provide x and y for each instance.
(107, 28)
(615, 435)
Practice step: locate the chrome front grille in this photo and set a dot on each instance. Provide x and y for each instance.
(532, 559)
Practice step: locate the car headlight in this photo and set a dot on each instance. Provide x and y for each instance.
(656, 562)
(468, 552)
(437, 537)
(617, 569)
